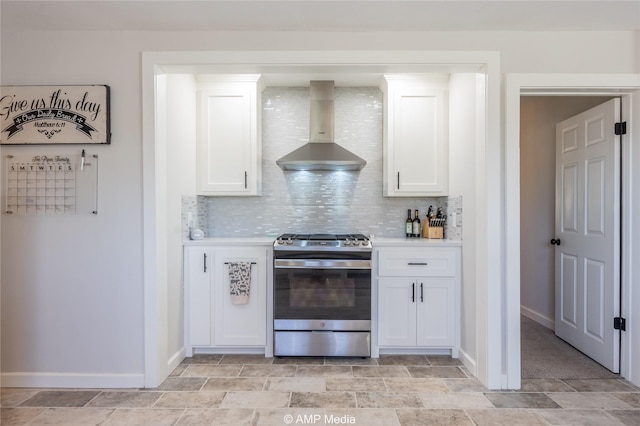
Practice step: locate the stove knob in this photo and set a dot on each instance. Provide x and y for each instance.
(289, 242)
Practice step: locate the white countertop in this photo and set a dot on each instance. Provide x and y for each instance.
(376, 242)
(418, 242)
(232, 241)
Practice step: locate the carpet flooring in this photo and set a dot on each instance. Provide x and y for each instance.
(545, 356)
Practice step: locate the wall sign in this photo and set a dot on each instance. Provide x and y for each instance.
(54, 115)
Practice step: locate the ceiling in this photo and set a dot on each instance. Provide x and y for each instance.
(320, 15)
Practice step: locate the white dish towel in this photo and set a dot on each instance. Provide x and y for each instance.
(239, 282)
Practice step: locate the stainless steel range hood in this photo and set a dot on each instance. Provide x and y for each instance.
(321, 153)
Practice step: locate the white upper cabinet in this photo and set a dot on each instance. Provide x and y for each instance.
(229, 136)
(416, 148)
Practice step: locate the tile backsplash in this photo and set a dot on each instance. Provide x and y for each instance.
(318, 201)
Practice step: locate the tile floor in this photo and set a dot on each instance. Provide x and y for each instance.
(393, 390)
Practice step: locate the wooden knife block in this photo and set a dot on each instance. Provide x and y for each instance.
(432, 232)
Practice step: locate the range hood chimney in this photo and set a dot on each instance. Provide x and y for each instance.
(321, 153)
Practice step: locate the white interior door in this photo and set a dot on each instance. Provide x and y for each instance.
(587, 258)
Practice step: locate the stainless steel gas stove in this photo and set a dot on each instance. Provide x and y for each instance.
(324, 242)
(322, 295)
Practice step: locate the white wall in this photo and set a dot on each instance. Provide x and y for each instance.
(538, 117)
(72, 288)
(463, 99)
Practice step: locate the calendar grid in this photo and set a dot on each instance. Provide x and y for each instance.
(41, 185)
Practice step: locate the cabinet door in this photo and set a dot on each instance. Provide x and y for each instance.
(436, 319)
(240, 325)
(228, 144)
(396, 312)
(198, 273)
(416, 141)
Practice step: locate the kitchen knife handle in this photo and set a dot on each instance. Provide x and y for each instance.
(413, 292)
(422, 292)
(204, 262)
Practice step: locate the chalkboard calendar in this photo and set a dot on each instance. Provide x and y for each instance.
(50, 184)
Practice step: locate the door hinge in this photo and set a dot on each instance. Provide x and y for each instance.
(619, 323)
(620, 128)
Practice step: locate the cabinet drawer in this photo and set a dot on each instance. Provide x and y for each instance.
(412, 262)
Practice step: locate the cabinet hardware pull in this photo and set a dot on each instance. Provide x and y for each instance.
(245, 180)
(417, 264)
(413, 292)
(226, 263)
(421, 292)
(205, 262)
(398, 180)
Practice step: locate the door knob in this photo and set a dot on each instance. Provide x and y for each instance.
(555, 241)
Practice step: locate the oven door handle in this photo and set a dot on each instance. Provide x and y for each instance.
(322, 263)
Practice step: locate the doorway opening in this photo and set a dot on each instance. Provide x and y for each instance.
(538, 118)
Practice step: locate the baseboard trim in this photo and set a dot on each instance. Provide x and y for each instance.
(468, 362)
(537, 317)
(176, 359)
(71, 380)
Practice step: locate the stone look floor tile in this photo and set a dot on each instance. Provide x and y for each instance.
(380, 371)
(73, 416)
(251, 390)
(362, 416)
(60, 398)
(441, 372)
(355, 384)
(245, 359)
(300, 360)
(177, 372)
(388, 400)
(144, 416)
(282, 370)
(324, 371)
(217, 417)
(403, 360)
(296, 384)
(520, 400)
(351, 361)
(234, 384)
(203, 370)
(182, 384)
(599, 385)
(416, 385)
(589, 400)
(443, 360)
(11, 397)
(544, 385)
(627, 417)
(506, 417)
(126, 399)
(203, 359)
(190, 400)
(267, 399)
(453, 401)
(19, 416)
(464, 385)
(578, 418)
(323, 400)
(633, 399)
(422, 417)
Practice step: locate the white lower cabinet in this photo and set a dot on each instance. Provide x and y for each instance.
(211, 319)
(419, 298)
